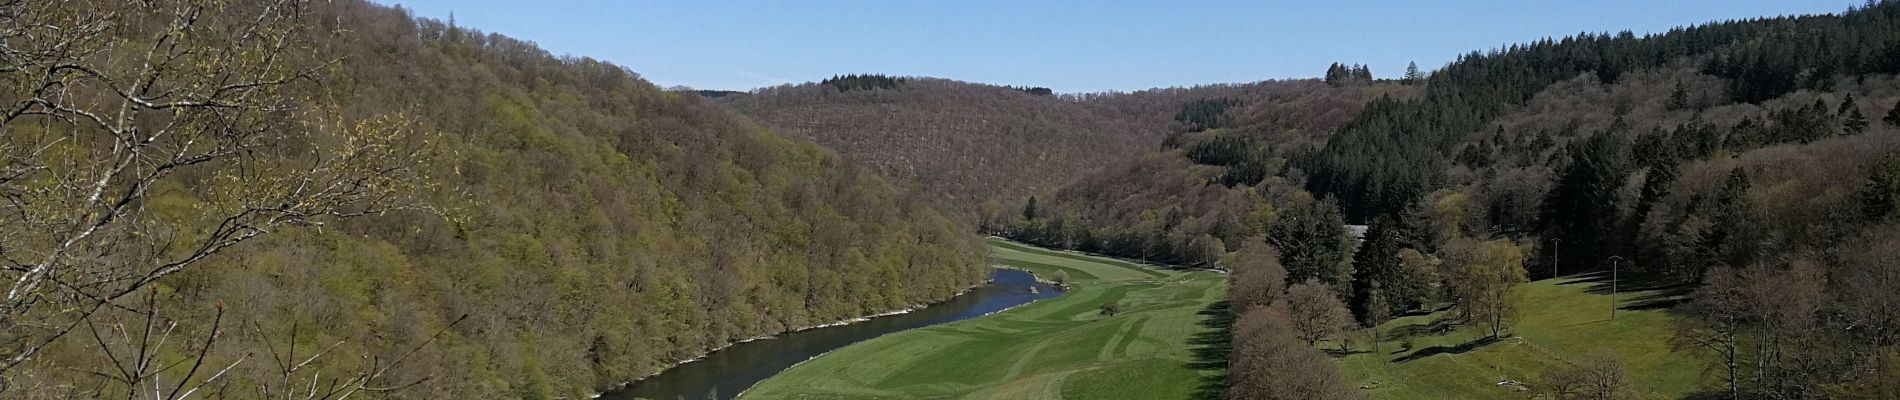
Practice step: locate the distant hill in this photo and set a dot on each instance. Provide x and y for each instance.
(969, 144)
(961, 142)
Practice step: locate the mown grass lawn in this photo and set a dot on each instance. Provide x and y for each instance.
(1562, 320)
(1060, 348)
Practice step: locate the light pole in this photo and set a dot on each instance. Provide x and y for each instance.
(1614, 261)
(1554, 256)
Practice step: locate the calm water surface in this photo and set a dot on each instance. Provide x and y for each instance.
(729, 372)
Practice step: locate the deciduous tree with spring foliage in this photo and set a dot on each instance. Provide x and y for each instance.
(108, 105)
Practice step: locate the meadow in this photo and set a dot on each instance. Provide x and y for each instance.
(1562, 321)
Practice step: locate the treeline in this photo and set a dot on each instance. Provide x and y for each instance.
(846, 83)
(1348, 74)
(1275, 328)
(1035, 90)
(598, 229)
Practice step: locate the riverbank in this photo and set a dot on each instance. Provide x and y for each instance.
(1058, 348)
(622, 386)
(732, 370)
(1064, 290)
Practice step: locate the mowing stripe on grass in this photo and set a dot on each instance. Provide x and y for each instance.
(1005, 243)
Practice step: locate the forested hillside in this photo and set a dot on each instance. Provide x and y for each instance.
(1216, 183)
(972, 144)
(575, 228)
(1745, 166)
(963, 142)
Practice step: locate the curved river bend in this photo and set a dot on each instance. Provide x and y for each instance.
(732, 370)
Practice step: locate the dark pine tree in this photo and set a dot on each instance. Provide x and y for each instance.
(1880, 197)
(1578, 207)
(1310, 240)
(1728, 240)
(1679, 98)
(1893, 116)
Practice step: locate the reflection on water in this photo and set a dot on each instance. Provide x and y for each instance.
(729, 372)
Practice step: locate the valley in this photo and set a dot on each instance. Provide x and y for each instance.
(321, 200)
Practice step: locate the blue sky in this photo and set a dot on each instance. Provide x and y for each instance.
(1070, 46)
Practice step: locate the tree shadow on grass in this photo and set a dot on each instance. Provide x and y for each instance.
(1211, 349)
(1436, 350)
(1662, 292)
(1438, 326)
(1715, 394)
(1343, 353)
(1626, 281)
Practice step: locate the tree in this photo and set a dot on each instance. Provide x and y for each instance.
(1061, 278)
(1486, 286)
(1312, 242)
(1422, 269)
(1579, 207)
(1205, 250)
(1029, 209)
(1269, 363)
(1761, 322)
(1257, 278)
(993, 217)
(1678, 98)
(1855, 123)
(214, 108)
(1599, 377)
(1377, 266)
(1717, 315)
(1729, 241)
(1316, 312)
(1111, 308)
(1412, 75)
(1657, 182)
(1880, 196)
(1893, 116)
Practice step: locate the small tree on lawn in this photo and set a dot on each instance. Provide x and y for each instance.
(1487, 284)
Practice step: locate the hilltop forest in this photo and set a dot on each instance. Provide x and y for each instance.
(976, 147)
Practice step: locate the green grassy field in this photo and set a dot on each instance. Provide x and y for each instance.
(1059, 348)
(1560, 322)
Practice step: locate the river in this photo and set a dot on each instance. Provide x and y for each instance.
(729, 372)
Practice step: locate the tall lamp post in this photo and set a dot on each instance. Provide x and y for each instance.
(1614, 261)
(1555, 257)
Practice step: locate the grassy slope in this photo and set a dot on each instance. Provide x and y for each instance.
(1560, 322)
(1056, 348)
